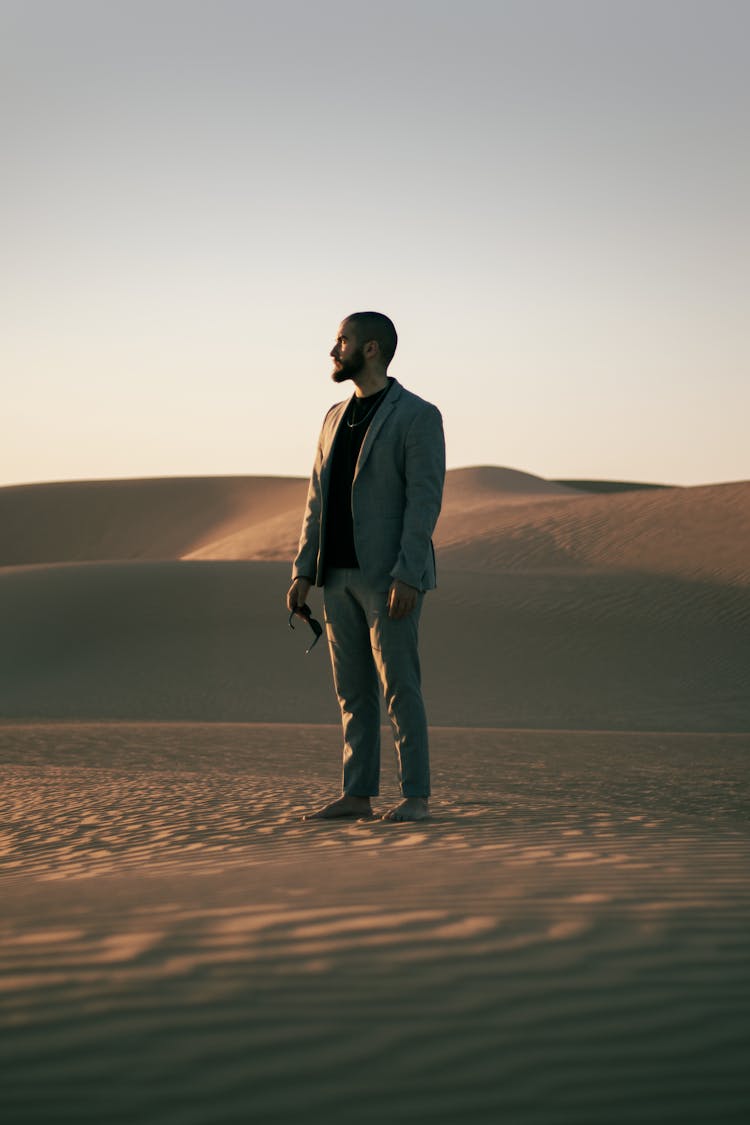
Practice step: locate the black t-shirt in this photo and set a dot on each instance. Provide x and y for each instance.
(339, 529)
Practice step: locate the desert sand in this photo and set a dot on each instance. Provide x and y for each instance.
(565, 941)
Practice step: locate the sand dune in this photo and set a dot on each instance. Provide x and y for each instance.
(210, 640)
(554, 608)
(479, 490)
(192, 517)
(700, 533)
(166, 518)
(563, 943)
(493, 519)
(694, 533)
(481, 482)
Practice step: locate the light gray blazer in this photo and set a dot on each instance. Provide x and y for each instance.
(396, 494)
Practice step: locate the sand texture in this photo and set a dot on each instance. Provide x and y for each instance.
(565, 941)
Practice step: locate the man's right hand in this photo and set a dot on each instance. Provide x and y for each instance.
(297, 594)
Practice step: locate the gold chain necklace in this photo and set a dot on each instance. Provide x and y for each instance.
(373, 408)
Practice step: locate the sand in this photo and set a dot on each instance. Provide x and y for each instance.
(164, 599)
(565, 942)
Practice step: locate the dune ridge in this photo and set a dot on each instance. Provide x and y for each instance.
(183, 517)
(553, 609)
(699, 532)
(492, 519)
(159, 518)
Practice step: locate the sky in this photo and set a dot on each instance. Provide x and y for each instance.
(548, 197)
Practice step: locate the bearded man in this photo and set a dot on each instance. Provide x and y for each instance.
(373, 501)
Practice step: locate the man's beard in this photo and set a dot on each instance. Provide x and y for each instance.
(350, 367)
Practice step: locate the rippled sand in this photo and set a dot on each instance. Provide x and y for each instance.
(565, 941)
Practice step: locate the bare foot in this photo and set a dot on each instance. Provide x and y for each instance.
(411, 808)
(344, 806)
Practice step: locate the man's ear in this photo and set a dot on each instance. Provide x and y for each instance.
(372, 349)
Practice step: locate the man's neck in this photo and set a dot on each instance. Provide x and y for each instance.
(369, 383)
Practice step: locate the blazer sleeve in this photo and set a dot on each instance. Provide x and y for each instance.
(305, 564)
(424, 470)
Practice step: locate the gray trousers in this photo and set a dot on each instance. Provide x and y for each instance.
(369, 650)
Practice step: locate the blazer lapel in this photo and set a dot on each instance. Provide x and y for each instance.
(385, 408)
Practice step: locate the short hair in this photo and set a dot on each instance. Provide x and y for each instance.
(376, 326)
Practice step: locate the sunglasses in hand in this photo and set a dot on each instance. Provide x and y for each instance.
(305, 612)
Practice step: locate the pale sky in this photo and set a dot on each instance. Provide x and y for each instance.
(549, 198)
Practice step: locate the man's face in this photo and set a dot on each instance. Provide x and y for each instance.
(348, 356)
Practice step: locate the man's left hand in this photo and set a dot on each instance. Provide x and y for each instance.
(401, 599)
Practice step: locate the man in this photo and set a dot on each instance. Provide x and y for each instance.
(373, 502)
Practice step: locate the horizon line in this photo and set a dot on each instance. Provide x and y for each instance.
(570, 482)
